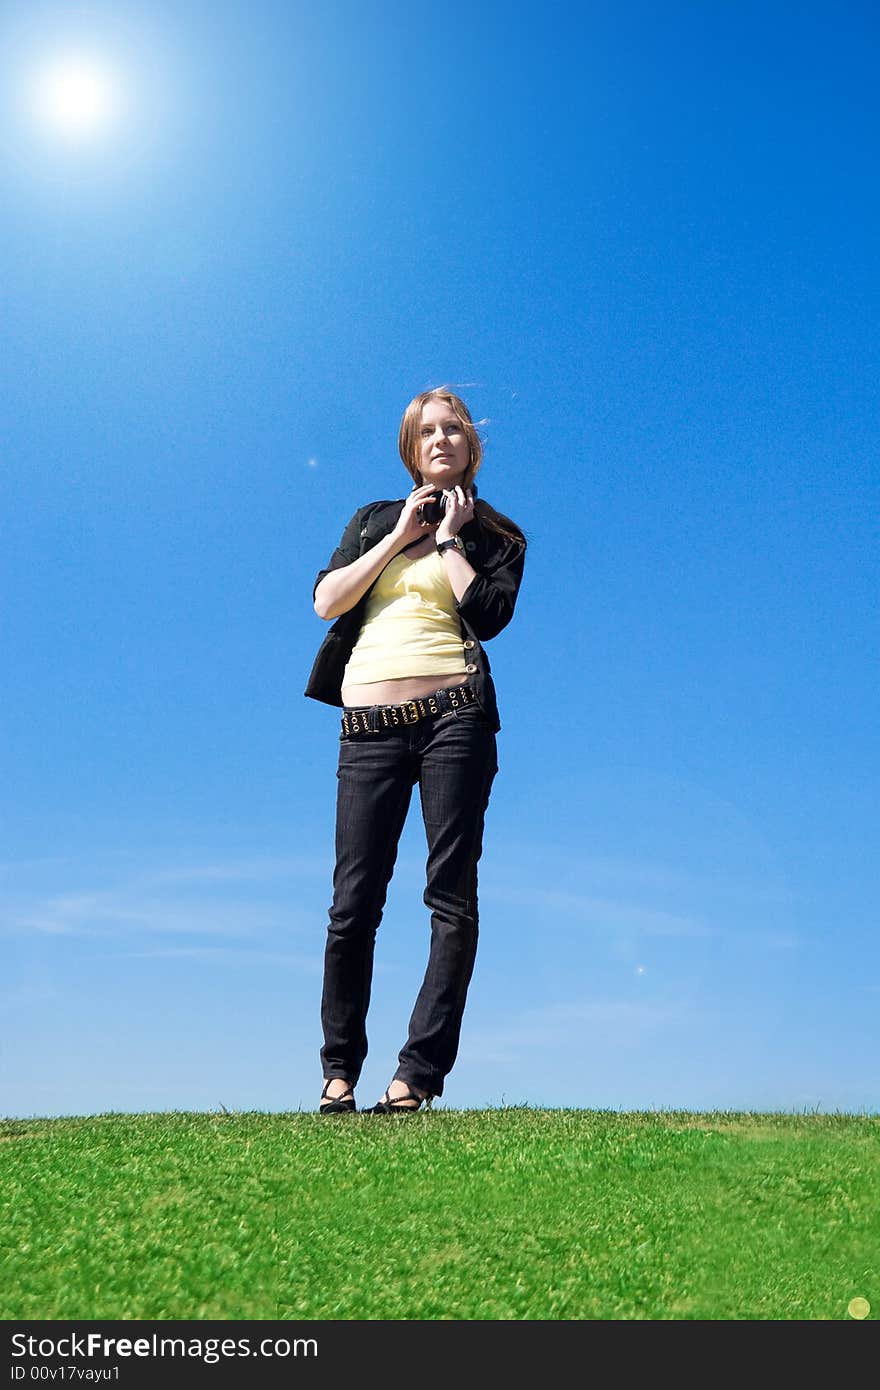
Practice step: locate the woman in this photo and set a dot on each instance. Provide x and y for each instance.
(414, 598)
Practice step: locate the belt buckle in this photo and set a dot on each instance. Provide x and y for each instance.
(412, 708)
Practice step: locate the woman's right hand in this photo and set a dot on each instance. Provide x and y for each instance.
(410, 526)
(342, 588)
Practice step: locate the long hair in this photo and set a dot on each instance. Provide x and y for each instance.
(409, 444)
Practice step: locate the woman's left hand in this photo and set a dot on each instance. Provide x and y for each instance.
(459, 511)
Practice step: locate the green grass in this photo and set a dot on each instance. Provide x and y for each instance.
(498, 1214)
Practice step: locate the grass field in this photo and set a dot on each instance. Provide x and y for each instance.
(497, 1214)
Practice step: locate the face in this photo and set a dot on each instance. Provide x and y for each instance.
(443, 445)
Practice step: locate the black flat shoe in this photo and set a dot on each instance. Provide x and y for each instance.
(336, 1105)
(399, 1105)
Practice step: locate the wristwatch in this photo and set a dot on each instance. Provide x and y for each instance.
(455, 544)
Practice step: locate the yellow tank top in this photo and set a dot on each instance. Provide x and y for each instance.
(410, 626)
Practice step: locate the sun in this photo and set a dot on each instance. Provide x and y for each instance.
(75, 97)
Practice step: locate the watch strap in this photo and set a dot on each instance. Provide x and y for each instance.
(456, 543)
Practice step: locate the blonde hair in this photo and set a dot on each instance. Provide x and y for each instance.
(409, 445)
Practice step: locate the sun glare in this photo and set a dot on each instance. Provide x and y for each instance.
(75, 97)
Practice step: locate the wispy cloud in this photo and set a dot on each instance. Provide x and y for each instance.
(609, 1023)
(98, 914)
(604, 913)
(628, 899)
(233, 955)
(615, 874)
(260, 870)
(628, 923)
(244, 898)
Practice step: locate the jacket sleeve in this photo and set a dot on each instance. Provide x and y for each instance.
(348, 549)
(488, 601)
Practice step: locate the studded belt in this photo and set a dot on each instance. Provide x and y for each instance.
(374, 718)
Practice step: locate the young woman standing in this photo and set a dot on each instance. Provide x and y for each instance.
(414, 593)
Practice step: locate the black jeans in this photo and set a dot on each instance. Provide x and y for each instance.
(453, 759)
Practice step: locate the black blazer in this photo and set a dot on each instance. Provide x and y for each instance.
(484, 610)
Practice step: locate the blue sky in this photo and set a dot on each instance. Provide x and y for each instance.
(642, 242)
